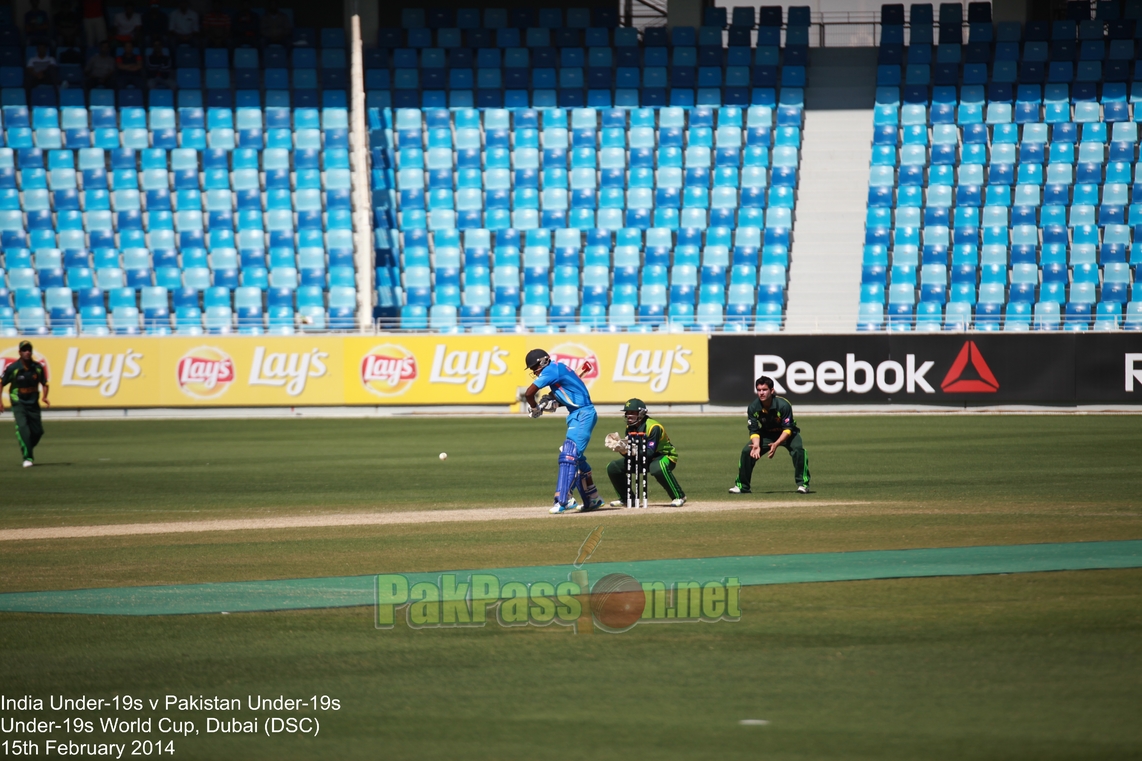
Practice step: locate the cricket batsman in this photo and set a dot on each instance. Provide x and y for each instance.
(567, 389)
(26, 376)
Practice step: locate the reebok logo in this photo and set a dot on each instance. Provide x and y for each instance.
(855, 376)
(969, 374)
(955, 382)
(1133, 373)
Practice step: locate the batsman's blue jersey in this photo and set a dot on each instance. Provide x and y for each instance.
(567, 387)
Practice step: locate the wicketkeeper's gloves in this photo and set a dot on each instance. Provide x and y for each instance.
(616, 443)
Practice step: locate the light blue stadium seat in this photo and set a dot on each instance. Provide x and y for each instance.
(32, 320)
(1046, 315)
(1133, 318)
(870, 316)
(1108, 316)
(929, 316)
(443, 318)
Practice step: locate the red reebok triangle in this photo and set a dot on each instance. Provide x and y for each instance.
(953, 383)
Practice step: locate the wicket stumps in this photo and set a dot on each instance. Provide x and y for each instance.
(636, 470)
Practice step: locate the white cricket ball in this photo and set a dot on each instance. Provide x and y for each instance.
(443, 455)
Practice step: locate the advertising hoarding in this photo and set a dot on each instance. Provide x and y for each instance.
(328, 369)
(975, 369)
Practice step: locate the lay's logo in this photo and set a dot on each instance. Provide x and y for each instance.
(470, 369)
(575, 356)
(388, 370)
(654, 367)
(103, 371)
(205, 372)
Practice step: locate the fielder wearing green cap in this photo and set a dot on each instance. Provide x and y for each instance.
(25, 376)
(660, 453)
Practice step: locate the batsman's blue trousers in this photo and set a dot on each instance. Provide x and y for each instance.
(580, 424)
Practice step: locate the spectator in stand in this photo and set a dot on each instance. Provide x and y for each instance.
(42, 68)
(101, 67)
(37, 25)
(94, 25)
(216, 26)
(276, 26)
(127, 23)
(129, 66)
(155, 22)
(69, 51)
(67, 21)
(247, 26)
(159, 66)
(68, 25)
(184, 24)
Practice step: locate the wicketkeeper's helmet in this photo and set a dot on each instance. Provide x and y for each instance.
(635, 411)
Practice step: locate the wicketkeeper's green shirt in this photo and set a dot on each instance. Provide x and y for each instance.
(656, 436)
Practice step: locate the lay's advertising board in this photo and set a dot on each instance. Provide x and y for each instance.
(337, 370)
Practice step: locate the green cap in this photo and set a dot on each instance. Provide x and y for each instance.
(634, 405)
(25, 345)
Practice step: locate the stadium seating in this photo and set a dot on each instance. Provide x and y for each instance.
(537, 168)
(1002, 192)
(559, 173)
(223, 206)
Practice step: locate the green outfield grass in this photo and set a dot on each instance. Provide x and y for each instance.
(925, 481)
(102, 472)
(1023, 666)
(1037, 666)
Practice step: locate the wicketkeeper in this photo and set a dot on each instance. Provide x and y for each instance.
(568, 390)
(660, 454)
(26, 376)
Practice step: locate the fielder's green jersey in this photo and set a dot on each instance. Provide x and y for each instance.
(657, 441)
(771, 423)
(25, 379)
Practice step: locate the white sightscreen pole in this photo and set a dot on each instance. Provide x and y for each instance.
(362, 206)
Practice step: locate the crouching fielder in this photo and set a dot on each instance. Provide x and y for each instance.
(660, 453)
(771, 425)
(568, 390)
